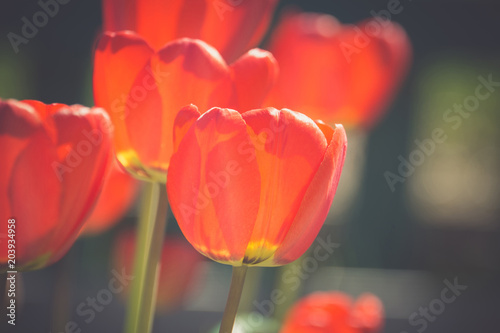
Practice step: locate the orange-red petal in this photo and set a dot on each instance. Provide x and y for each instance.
(160, 22)
(184, 72)
(36, 226)
(87, 132)
(18, 122)
(367, 314)
(351, 75)
(119, 58)
(214, 186)
(317, 199)
(183, 121)
(289, 149)
(269, 215)
(321, 312)
(58, 171)
(255, 74)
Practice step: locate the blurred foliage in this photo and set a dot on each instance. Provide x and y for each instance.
(16, 74)
(458, 184)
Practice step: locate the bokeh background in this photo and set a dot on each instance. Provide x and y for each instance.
(442, 222)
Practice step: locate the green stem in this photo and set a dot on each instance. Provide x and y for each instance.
(151, 229)
(252, 284)
(233, 299)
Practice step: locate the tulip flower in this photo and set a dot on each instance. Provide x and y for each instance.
(231, 26)
(54, 162)
(118, 193)
(143, 90)
(338, 73)
(180, 267)
(327, 312)
(253, 188)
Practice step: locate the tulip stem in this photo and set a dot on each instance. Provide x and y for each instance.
(151, 229)
(233, 299)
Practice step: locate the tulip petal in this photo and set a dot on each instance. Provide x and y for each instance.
(306, 48)
(351, 71)
(382, 63)
(316, 201)
(185, 71)
(214, 186)
(236, 26)
(18, 122)
(160, 21)
(367, 314)
(164, 21)
(56, 168)
(290, 148)
(255, 74)
(183, 121)
(86, 133)
(119, 57)
(34, 197)
(118, 15)
(320, 312)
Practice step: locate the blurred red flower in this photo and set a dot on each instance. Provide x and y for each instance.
(117, 195)
(54, 162)
(231, 26)
(143, 90)
(253, 188)
(338, 73)
(179, 267)
(334, 312)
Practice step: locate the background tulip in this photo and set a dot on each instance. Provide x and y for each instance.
(118, 193)
(253, 188)
(334, 312)
(180, 267)
(54, 162)
(232, 27)
(143, 90)
(349, 73)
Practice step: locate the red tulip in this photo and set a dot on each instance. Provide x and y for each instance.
(179, 267)
(118, 193)
(54, 162)
(231, 26)
(333, 312)
(253, 188)
(338, 73)
(143, 91)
